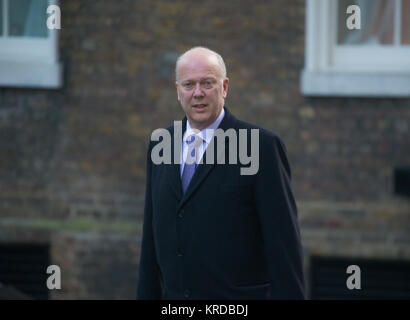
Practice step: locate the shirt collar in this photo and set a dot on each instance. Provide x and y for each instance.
(206, 133)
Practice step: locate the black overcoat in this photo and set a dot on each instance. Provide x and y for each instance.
(230, 236)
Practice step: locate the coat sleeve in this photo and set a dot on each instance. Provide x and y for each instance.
(277, 212)
(149, 279)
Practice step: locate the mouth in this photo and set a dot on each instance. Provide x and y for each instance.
(199, 106)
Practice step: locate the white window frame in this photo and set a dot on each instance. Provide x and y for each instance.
(333, 70)
(28, 61)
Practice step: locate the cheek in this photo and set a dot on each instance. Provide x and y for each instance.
(216, 94)
(182, 97)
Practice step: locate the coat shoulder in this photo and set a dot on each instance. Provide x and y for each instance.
(270, 143)
(266, 135)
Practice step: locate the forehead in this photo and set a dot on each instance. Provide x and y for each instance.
(198, 67)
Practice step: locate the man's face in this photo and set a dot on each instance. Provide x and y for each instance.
(201, 89)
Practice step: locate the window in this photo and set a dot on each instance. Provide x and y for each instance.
(401, 181)
(28, 49)
(371, 61)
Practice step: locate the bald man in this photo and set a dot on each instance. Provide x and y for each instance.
(210, 231)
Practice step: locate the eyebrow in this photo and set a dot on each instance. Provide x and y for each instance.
(202, 79)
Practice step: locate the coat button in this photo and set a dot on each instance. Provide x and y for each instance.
(187, 293)
(180, 253)
(181, 213)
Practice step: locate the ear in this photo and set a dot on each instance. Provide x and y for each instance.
(225, 87)
(176, 86)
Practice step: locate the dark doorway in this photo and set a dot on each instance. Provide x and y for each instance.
(23, 270)
(380, 279)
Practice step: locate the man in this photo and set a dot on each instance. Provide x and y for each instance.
(209, 231)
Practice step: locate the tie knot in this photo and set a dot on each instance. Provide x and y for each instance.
(193, 138)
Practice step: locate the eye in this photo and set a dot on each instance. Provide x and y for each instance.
(208, 84)
(187, 85)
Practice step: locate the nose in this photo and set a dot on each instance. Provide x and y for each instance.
(198, 93)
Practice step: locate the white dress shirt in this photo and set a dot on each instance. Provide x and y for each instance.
(204, 135)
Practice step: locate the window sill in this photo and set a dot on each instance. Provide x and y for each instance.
(31, 74)
(355, 84)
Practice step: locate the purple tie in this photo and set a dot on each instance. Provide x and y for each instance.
(189, 168)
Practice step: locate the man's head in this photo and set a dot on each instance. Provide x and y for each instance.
(202, 85)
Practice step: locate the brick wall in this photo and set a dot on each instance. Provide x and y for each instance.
(73, 160)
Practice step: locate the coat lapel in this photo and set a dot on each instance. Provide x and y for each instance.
(174, 175)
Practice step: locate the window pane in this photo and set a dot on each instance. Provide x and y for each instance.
(28, 18)
(405, 22)
(377, 23)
